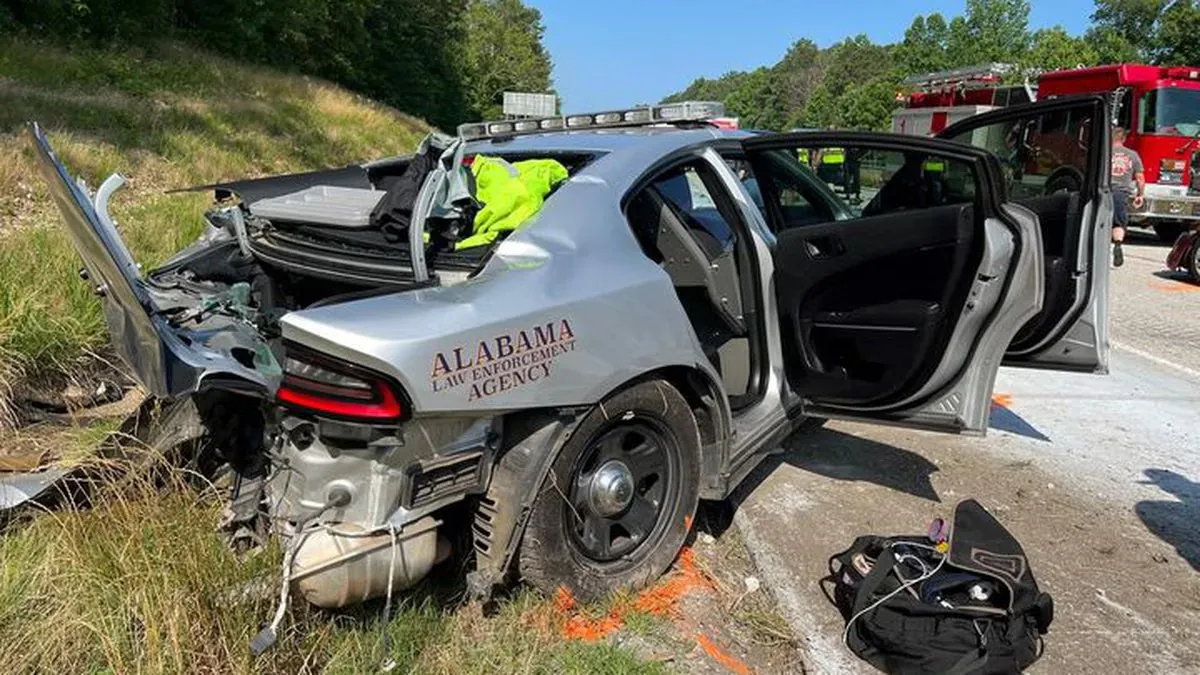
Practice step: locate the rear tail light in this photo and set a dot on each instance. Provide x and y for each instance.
(328, 387)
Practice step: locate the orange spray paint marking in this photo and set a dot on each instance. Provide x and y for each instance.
(1002, 400)
(660, 599)
(730, 662)
(1173, 287)
(592, 630)
(687, 523)
(563, 600)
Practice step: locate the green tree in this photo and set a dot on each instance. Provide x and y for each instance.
(1111, 46)
(758, 102)
(867, 106)
(853, 61)
(704, 89)
(1055, 48)
(1179, 34)
(923, 49)
(503, 51)
(1126, 30)
(412, 61)
(798, 73)
(819, 112)
(989, 31)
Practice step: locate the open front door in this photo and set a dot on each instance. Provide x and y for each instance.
(900, 313)
(1055, 158)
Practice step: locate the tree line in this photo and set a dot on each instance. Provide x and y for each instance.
(444, 60)
(853, 83)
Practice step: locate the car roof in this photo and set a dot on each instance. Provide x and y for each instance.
(626, 153)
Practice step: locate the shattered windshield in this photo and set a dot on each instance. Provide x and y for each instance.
(1172, 112)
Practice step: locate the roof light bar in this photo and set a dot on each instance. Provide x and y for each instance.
(684, 111)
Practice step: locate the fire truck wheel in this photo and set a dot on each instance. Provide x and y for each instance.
(1168, 232)
(619, 499)
(810, 424)
(1193, 261)
(1063, 182)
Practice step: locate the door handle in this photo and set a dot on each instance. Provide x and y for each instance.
(824, 246)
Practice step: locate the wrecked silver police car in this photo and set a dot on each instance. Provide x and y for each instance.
(557, 398)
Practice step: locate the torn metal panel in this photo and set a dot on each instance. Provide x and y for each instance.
(18, 488)
(169, 356)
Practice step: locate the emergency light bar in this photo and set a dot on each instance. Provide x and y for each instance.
(668, 113)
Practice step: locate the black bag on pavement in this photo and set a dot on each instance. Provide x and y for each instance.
(968, 604)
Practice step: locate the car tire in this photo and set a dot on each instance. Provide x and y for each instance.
(618, 502)
(1168, 232)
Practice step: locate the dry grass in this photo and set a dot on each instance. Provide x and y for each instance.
(163, 117)
(140, 583)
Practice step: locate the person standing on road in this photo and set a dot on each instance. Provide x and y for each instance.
(1127, 170)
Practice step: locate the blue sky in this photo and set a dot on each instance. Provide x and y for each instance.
(611, 53)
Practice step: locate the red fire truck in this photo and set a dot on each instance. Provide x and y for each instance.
(1158, 105)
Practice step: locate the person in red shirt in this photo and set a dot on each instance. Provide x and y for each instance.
(1127, 173)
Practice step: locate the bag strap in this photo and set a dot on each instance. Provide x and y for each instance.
(975, 659)
(871, 583)
(969, 662)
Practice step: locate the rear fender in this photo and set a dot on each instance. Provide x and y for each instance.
(534, 439)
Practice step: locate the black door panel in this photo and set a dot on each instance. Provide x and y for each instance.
(1059, 215)
(867, 298)
(1055, 161)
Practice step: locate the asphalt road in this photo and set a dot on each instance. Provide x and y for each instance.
(1153, 314)
(1097, 476)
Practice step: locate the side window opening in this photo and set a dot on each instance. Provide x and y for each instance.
(1124, 114)
(865, 182)
(1045, 159)
(685, 223)
(794, 181)
(1148, 111)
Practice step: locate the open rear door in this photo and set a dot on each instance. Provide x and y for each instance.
(1055, 158)
(901, 313)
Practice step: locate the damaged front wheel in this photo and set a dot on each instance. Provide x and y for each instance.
(616, 506)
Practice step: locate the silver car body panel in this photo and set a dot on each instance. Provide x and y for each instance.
(19, 488)
(567, 309)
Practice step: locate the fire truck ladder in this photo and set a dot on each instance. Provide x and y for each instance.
(984, 76)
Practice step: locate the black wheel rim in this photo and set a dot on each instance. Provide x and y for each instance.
(602, 522)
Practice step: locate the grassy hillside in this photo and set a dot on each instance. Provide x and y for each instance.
(140, 582)
(164, 117)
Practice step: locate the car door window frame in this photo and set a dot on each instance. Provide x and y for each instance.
(993, 188)
(1088, 258)
(924, 407)
(747, 230)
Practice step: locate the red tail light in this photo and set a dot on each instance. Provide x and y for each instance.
(324, 386)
